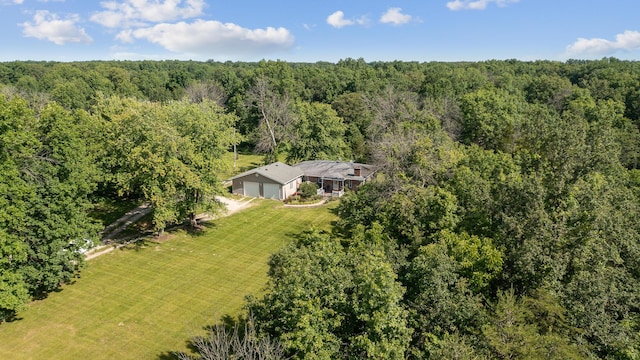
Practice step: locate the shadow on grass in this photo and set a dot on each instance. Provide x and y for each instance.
(306, 236)
(9, 317)
(107, 210)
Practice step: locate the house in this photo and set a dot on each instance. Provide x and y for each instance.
(273, 181)
(335, 176)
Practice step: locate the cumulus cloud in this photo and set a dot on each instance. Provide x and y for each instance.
(628, 40)
(337, 20)
(129, 13)
(50, 27)
(212, 38)
(476, 4)
(395, 16)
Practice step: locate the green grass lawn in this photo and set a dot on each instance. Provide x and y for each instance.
(144, 303)
(245, 161)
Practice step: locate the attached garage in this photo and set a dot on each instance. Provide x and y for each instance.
(273, 181)
(271, 191)
(251, 188)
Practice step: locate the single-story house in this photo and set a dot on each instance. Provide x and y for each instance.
(335, 176)
(273, 181)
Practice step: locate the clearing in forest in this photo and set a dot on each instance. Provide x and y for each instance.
(146, 301)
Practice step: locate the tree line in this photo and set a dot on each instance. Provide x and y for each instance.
(502, 222)
(56, 163)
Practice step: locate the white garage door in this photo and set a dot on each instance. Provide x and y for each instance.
(271, 191)
(251, 188)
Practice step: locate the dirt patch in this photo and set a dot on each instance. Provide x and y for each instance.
(160, 239)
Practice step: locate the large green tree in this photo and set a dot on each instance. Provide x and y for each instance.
(325, 300)
(318, 134)
(48, 175)
(169, 155)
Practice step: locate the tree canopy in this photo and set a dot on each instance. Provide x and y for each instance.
(502, 222)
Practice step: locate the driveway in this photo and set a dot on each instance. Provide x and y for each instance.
(232, 206)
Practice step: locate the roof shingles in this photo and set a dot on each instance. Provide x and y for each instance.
(278, 172)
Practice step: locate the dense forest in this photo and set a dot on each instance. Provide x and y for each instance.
(503, 222)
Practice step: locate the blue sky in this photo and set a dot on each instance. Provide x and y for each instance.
(321, 30)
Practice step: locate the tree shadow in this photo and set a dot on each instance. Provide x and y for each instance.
(305, 236)
(168, 356)
(9, 317)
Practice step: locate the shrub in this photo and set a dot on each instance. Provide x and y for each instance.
(308, 189)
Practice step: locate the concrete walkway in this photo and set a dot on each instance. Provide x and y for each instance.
(127, 219)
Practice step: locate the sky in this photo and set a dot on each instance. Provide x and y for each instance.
(319, 30)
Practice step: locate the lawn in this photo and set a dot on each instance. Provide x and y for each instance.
(245, 161)
(145, 302)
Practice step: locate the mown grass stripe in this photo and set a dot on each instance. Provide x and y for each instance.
(139, 304)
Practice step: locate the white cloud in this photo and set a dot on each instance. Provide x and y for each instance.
(50, 27)
(395, 16)
(129, 13)
(628, 40)
(337, 20)
(212, 38)
(476, 4)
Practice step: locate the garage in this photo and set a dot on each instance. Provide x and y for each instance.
(251, 188)
(271, 191)
(273, 181)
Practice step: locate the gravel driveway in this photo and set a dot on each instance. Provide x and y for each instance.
(231, 205)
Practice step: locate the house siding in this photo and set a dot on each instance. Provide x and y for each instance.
(286, 190)
(290, 188)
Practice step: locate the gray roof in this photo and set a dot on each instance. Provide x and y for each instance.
(330, 169)
(278, 172)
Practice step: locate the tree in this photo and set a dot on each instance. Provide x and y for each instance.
(235, 343)
(318, 134)
(352, 108)
(16, 146)
(491, 118)
(275, 117)
(200, 91)
(58, 220)
(439, 299)
(514, 332)
(168, 155)
(328, 301)
(47, 175)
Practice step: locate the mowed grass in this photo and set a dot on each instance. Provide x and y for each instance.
(244, 162)
(146, 302)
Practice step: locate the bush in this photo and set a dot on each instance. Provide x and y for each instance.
(308, 189)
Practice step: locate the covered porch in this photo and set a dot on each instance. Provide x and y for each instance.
(331, 187)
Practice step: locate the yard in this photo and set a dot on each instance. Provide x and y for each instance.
(144, 302)
(244, 162)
